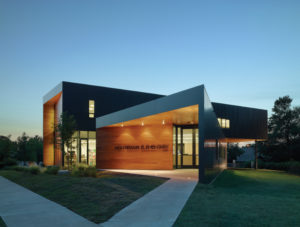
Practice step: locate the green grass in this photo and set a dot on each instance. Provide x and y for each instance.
(2, 223)
(96, 199)
(245, 198)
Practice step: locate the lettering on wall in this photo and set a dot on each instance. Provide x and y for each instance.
(148, 147)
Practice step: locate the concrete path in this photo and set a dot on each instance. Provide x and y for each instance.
(161, 206)
(22, 207)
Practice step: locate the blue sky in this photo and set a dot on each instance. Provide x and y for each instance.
(245, 52)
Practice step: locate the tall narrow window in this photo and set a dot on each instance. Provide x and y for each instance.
(223, 125)
(227, 123)
(91, 108)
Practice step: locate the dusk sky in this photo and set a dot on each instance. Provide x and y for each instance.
(244, 52)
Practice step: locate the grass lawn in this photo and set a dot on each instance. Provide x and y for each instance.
(96, 199)
(245, 198)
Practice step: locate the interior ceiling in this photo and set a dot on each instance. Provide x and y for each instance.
(183, 116)
(239, 140)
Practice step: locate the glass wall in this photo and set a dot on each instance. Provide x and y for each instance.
(83, 149)
(185, 146)
(92, 148)
(188, 147)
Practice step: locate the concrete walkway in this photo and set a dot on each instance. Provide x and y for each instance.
(22, 207)
(161, 206)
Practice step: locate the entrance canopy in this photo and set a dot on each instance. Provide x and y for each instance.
(171, 107)
(125, 136)
(182, 116)
(142, 136)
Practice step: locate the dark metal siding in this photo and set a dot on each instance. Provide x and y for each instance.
(107, 100)
(245, 122)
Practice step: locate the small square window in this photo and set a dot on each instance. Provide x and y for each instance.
(91, 115)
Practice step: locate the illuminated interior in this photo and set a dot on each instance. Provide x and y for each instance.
(184, 122)
(185, 154)
(91, 108)
(224, 123)
(83, 147)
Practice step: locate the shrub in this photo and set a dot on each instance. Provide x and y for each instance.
(52, 170)
(246, 164)
(295, 167)
(292, 166)
(8, 162)
(91, 171)
(83, 170)
(34, 170)
(18, 168)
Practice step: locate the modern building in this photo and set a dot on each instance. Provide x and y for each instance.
(121, 129)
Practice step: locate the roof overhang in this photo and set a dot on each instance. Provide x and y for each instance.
(176, 108)
(53, 93)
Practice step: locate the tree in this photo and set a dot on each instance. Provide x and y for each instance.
(34, 149)
(284, 123)
(5, 145)
(6, 151)
(284, 132)
(64, 130)
(29, 148)
(21, 147)
(234, 151)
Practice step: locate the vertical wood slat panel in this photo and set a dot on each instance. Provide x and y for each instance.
(48, 121)
(49, 117)
(57, 150)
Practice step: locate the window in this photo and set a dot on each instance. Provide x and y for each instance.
(91, 108)
(224, 123)
(227, 123)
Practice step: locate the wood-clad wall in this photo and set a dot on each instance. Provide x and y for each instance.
(150, 147)
(57, 150)
(51, 112)
(48, 121)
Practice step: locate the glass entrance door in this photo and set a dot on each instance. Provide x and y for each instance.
(186, 146)
(83, 151)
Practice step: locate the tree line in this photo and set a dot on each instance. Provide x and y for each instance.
(24, 148)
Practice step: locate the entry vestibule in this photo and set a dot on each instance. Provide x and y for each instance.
(185, 149)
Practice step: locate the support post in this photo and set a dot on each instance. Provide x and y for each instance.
(201, 153)
(181, 147)
(176, 146)
(256, 163)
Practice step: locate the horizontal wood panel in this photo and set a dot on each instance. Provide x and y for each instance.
(135, 147)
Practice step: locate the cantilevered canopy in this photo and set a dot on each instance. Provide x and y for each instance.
(179, 108)
(182, 116)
